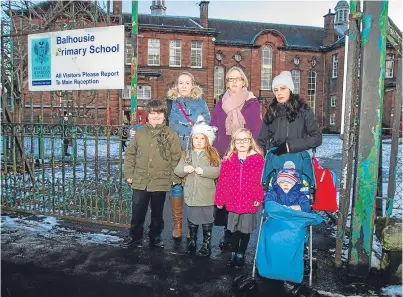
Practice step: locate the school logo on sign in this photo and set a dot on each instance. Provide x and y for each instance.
(41, 62)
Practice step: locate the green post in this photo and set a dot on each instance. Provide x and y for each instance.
(134, 57)
(373, 53)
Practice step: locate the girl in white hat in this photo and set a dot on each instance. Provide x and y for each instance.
(200, 167)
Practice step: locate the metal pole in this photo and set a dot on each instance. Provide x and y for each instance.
(394, 148)
(134, 58)
(373, 53)
(348, 131)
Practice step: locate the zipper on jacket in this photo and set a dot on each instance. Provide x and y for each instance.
(195, 175)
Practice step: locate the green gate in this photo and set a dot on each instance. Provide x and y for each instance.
(38, 128)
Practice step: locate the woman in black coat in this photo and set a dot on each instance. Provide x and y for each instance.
(290, 124)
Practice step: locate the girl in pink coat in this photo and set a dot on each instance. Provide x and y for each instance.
(239, 189)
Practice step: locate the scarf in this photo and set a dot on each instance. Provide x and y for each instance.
(232, 106)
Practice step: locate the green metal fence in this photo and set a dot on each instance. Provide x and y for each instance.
(60, 153)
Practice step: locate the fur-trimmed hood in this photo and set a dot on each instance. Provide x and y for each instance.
(196, 93)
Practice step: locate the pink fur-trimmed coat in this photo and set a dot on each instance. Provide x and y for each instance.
(239, 185)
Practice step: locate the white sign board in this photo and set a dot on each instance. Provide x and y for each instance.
(83, 59)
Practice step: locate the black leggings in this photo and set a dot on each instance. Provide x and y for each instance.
(239, 242)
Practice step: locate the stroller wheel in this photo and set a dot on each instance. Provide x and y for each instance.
(245, 283)
(314, 293)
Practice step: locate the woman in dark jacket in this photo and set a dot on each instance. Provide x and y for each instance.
(289, 124)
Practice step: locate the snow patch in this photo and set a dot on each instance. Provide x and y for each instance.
(392, 291)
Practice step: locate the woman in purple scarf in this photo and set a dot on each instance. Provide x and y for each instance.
(236, 108)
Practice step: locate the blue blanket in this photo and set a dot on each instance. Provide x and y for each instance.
(280, 252)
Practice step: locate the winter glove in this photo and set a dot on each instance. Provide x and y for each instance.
(188, 169)
(281, 149)
(199, 171)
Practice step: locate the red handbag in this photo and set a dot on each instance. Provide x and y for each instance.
(325, 198)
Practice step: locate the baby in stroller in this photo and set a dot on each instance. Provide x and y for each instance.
(286, 189)
(287, 208)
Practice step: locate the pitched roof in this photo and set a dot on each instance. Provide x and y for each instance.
(245, 32)
(238, 32)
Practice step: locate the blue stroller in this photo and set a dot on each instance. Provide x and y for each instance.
(276, 231)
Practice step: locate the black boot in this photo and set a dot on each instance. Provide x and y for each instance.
(130, 242)
(225, 240)
(192, 242)
(232, 260)
(205, 250)
(240, 260)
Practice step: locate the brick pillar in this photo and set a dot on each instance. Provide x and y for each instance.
(328, 37)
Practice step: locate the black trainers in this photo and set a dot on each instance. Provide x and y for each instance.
(240, 260)
(232, 261)
(132, 243)
(156, 242)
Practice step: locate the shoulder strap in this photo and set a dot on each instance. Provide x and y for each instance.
(184, 113)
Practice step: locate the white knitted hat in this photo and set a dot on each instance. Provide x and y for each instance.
(284, 78)
(202, 127)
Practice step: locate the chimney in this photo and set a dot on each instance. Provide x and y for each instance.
(204, 13)
(328, 36)
(116, 7)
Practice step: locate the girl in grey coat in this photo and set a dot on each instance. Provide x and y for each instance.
(199, 167)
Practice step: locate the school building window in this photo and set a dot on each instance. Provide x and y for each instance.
(333, 101)
(332, 119)
(312, 89)
(196, 54)
(219, 81)
(126, 92)
(175, 53)
(267, 67)
(390, 63)
(153, 52)
(144, 92)
(296, 79)
(128, 51)
(335, 62)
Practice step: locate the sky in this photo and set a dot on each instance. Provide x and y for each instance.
(307, 13)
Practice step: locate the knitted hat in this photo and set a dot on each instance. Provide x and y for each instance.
(287, 175)
(284, 78)
(201, 127)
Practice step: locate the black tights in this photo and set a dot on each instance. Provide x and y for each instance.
(239, 242)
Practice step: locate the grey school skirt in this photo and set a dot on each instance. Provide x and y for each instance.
(244, 223)
(200, 214)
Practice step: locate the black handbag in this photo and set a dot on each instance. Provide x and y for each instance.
(220, 216)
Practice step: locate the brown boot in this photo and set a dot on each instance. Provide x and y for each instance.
(177, 216)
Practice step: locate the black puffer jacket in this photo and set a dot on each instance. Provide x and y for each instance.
(301, 134)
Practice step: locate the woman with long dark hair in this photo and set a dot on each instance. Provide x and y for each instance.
(290, 124)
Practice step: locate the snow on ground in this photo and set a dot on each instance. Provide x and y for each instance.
(25, 232)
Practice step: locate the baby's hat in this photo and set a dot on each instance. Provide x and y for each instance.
(288, 174)
(202, 127)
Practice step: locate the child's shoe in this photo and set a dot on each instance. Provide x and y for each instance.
(232, 260)
(240, 260)
(225, 242)
(156, 242)
(130, 242)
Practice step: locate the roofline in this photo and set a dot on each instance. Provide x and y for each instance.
(275, 32)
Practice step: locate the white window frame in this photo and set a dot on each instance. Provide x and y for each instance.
(196, 54)
(126, 92)
(333, 100)
(335, 63)
(296, 79)
(175, 49)
(332, 119)
(154, 52)
(219, 81)
(141, 92)
(128, 51)
(312, 88)
(389, 67)
(266, 77)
